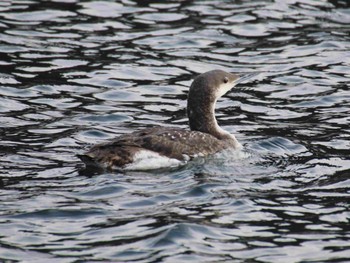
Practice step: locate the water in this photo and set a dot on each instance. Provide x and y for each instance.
(75, 73)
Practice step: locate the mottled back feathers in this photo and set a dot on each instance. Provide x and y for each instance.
(170, 142)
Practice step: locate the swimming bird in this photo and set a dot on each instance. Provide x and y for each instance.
(159, 146)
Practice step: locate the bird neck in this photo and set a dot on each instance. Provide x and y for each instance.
(201, 114)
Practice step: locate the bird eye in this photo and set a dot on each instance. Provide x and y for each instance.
(225, 79)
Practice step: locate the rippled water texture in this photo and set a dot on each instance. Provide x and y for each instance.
(74, 73)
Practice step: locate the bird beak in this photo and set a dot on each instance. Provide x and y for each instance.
(245, 76)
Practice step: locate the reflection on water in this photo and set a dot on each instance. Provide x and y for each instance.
(74, 73)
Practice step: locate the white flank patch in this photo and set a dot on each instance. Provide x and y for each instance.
(148, 160)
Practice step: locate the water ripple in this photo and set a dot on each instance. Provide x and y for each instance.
(77, 73)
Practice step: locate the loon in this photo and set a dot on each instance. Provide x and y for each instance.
(172, 146)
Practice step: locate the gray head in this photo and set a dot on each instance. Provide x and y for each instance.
(212, 85)
(202, 97)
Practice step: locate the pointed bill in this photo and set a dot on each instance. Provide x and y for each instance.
(245, 76)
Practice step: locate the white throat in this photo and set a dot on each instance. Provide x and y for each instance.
(220, 130)
(224, 88)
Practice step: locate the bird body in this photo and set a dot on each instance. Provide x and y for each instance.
(172, 146)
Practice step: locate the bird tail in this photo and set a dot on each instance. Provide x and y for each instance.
(89, 161)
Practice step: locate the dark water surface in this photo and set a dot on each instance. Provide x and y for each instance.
(74, 73)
